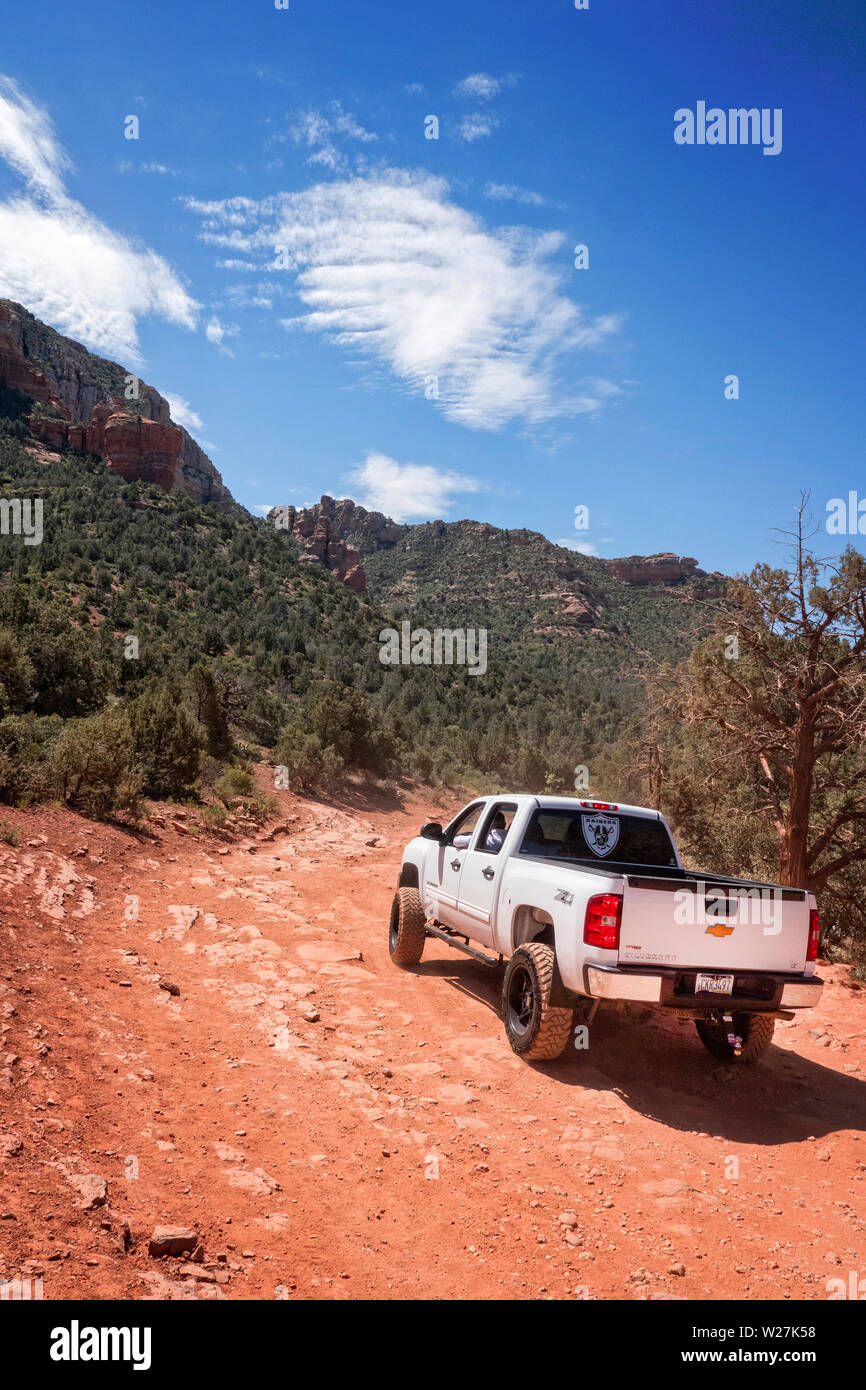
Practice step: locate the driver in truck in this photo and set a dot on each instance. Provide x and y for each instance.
(496, 833)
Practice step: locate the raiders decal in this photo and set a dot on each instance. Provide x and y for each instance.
(601, 833)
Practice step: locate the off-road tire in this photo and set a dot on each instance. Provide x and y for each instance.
(406, 934)
(756, 1030)
(536, 1030)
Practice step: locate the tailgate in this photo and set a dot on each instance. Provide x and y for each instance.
(714, 923)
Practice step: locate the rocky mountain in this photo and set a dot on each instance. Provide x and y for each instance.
(664, 568)
(269, 635)
(342, 520)
(322, 534)
(572, 588)
(91, 405)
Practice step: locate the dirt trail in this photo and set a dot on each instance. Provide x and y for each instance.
(336, 1128)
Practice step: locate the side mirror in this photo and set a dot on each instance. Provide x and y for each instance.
(432, 831)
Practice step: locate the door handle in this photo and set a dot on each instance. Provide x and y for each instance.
(488, 872)
(455, 863)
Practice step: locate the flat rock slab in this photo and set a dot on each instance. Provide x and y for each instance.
(172, 1240)
(92, 1190)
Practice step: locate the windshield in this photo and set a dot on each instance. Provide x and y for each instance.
(594, 837)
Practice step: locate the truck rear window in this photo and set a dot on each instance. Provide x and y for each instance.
(593, 837)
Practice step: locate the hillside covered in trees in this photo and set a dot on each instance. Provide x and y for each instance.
(172, 638)
(160, 641)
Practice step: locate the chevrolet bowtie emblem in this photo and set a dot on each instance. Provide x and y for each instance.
(718, 929)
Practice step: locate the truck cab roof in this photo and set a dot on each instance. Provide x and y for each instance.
(576, 803)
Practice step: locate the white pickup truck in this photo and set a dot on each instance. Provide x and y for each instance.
(588, 902)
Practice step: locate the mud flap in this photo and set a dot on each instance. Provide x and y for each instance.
(560, 996)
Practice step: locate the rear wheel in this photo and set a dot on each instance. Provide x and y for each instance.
(755, 1032)
(536, 1029)
(406, 934)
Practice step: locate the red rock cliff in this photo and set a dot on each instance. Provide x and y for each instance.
(138, 449)
(88, 409)
(665, 568)
(321, 529)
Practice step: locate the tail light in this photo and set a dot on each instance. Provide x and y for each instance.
(601, 924)
(599, 805)
(814, 934)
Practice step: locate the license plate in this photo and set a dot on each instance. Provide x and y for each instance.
(714, 984)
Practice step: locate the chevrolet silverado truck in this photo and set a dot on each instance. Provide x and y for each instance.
(589, 904)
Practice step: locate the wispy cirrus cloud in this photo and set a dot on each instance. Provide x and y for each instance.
(128, 166)
(182, 413)
(63, 263)
(218, 332)
(580, 547)
(408, 491)
(513, 193)
(478, 125)
(388, 266)
(482, 86)
(321, 132)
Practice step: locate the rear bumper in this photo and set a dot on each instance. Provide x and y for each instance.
(754, 991)
(802, 993)
(607, 982)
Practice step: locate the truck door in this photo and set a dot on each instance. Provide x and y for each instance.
(446, 866)
(479, 878)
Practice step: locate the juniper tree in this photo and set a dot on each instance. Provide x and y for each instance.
(782, 677)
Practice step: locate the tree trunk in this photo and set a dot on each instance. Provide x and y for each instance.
(795, 838)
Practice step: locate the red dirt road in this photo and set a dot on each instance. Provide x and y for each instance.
(336, 1128)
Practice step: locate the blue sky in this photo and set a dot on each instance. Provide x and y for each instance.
(284, 251)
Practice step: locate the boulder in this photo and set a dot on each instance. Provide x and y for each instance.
(172, 1240)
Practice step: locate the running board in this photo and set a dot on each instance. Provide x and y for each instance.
(459, 945)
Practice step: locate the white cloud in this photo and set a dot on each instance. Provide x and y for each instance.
(512, 192)
(581, 547)
(65, 265)
(182, 413)
(320, 131)
(476, 126)
(481, 86)
(259, 296)
(388, 267)
(217, 332)
(28, 143)
(126, 166)
(408, 491)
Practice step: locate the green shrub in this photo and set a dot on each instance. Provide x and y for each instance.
(235, 782)
(308, 762)
(24, 744)
(214, 818)
(89, 764)
(16, 673)
(167, 742)
(9, 834)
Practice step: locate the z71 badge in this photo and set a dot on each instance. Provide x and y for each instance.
(563, 896)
